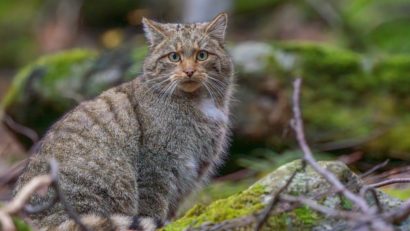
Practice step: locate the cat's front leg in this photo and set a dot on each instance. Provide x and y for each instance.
(140, 223)
(156, 187)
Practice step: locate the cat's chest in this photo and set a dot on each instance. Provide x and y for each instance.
(190, 130)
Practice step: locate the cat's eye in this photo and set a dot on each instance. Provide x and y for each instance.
(202, 55)
(174, 57)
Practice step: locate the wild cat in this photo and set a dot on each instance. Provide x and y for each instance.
(128, 157)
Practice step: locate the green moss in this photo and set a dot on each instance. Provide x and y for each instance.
(55, 67)
(395, 141)
(306, 216)
(235, 206)
(302, 218)
(324, 59)
(346, 204)
(21, 225)
(402, 194)
(393, 74)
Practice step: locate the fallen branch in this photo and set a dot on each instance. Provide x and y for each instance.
(275, 200)
(374, 169)
(325, 210)
(21, 129)
(21, 198)
(390, 181)
(308, 156)
(13, 172)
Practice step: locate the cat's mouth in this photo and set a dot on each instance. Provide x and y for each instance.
(189, 85)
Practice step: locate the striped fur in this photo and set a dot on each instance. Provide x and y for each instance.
(131, 155)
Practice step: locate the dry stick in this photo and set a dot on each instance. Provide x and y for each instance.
(26, 131)
(13, 172)
(374, 169)
(308, 156)
(17, 204)
(275, 200)
(390, 173)
(6, 222)
(350, 215)
(22, 197)
(60, 196)
(226, 225)
(26, 192)
(373, 192)
(390, 181)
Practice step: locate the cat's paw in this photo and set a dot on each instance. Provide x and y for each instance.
(145, 224)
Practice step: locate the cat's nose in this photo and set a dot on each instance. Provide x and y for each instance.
(189, 72)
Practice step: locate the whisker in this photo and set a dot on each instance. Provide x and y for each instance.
(157, 85)
(219, 91)
(217, 80)
(171, 91)
(210, 92)
(164, 91)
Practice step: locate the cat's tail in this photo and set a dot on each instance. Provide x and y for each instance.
(113, 223)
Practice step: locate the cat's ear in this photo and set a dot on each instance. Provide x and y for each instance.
(217, 27)
(154, 31)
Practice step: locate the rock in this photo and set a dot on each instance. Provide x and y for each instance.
(306, 183)
(349, 100)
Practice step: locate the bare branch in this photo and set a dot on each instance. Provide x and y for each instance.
(275, 200)
(20, 200)
(373, 192)
(26, 192)
(13, 172)
(21, 129)
(6, 222)
(390, 181)
(374, 169)
(325, 210)
(68, 208)
(308, 156)
(227, 225)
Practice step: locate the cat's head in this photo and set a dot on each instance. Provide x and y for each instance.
(188, 57)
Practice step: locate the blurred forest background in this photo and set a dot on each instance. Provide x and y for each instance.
(354, 56)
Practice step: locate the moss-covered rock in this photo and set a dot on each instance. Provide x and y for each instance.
(254, 199)
(44, 90)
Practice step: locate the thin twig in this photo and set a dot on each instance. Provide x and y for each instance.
(373, 192)
(226, 225)
(350, 215)
(392, 172)
(374, 169)
(13, 172)
(390, 181)
(21, 129)
(22, 197)
(275, 200)
(6, 222)
(68, 208)
(17, 204)
(26, 192)
(308, 156)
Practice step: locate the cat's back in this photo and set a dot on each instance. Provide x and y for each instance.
(108, 121)
(93, 145)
